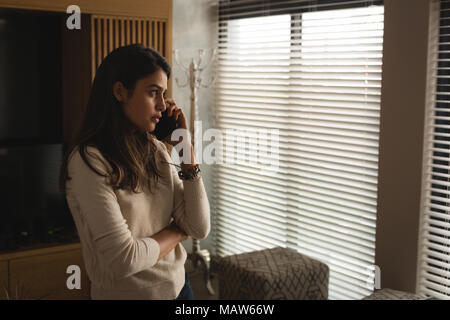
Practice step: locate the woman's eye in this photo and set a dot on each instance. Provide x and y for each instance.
(153, 93)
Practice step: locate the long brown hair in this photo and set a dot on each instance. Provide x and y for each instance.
(129, 152)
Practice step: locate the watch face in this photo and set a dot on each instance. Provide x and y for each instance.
(165, 126)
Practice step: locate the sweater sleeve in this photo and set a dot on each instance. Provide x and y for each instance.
(102, 220)
(191, 206)
(191, 210)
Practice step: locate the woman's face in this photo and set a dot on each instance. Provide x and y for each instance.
(145, 106)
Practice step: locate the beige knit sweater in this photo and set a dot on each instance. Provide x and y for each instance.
(115, 228)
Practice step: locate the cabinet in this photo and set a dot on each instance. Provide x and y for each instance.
(3, 278)
(41, 273)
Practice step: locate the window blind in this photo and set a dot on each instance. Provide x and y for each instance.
(434, 249)
(311, 71)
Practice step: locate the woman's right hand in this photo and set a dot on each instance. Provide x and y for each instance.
(168, 238)
(183, 236)
(174, 111)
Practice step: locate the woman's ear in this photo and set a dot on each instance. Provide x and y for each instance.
(120, 92)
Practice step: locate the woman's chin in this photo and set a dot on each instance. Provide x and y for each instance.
(151, 127)
(148, 127)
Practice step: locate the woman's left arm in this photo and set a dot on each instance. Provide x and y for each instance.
(191, 206)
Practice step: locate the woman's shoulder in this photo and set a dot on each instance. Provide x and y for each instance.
(92, 154)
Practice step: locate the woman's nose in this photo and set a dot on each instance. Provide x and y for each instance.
(162, 104)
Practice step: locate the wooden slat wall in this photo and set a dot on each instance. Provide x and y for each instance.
(111, 32)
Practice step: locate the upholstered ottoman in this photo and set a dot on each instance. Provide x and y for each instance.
(272, 274)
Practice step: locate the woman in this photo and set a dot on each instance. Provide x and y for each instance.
(129, 204)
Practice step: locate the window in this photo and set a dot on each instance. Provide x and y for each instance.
(434, 250)
(298, 98)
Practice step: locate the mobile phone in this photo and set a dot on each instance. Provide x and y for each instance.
(165, 126)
